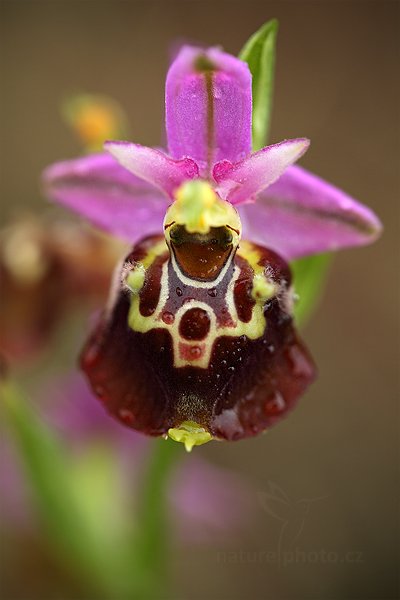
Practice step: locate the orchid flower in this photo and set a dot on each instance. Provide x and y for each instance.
(197, 340)
(48, 268)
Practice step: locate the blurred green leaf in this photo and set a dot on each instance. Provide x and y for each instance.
(96, 481)
(150, 548)
(259, 53)
(45, 463)
(309, 276)
(83, 542)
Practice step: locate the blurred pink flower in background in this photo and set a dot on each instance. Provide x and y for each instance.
(199, 495)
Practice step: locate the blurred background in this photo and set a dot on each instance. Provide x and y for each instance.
(317, 496)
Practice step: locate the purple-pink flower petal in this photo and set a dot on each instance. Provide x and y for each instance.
(99, 189)
(301, 215)
(242, 181)
(153, 166)
(202, 497)
(208, 107)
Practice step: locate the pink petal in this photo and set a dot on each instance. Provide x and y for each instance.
(208, 107)
(99, 189)
(301, 214)
(153, 166)
(241, 182)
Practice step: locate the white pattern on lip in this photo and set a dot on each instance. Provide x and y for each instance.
(197, 353)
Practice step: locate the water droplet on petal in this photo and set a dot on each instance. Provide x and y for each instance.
(126, 416)
(275, 404)
(99, 391)
(168, 317)
(195, 352)
(91, 355)
(228, 424)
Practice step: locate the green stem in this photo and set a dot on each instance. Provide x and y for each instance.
(152, 541)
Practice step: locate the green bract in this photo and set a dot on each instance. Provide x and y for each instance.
(259, 53)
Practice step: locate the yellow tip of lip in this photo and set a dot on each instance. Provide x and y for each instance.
(190, 434)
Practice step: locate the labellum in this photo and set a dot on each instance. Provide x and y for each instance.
(198, 340)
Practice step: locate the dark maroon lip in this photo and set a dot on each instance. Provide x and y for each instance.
(246, 386)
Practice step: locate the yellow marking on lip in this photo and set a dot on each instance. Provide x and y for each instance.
(153, 253)
(263, 289)
(135, 278)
